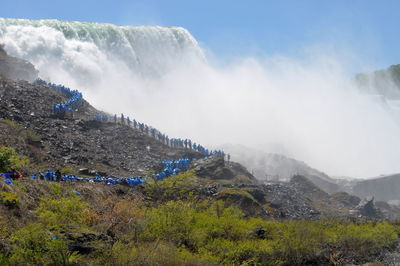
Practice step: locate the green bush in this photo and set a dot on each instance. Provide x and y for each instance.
(62, 213)
(149, 253)
(9, 159)
(33, 245)
(222, 234)
(178, 187)
(56, 188)
(10, 199)
(5, 259)
(185, 232)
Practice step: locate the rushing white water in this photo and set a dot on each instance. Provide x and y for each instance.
(306, 109)
(87, 52)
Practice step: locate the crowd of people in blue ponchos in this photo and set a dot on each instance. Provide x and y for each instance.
(75, 97)
(170, 168)
(109, 180)
(157, 135)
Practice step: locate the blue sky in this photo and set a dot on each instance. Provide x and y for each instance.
(367, 29)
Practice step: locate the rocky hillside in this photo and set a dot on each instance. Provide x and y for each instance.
(15, 68)
(29, 125)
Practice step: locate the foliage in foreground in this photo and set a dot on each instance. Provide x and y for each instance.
(184, 232)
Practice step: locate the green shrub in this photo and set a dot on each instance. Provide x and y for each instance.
(178, 187)
(172, 221)
(185, 232)
(10, 199)
(33, 245)
(5, 259)
(241, 252)
(56, 188)
(149, 253)
(62, 213)
(9, 159)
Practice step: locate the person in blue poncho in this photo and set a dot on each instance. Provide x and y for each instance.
(49, 175)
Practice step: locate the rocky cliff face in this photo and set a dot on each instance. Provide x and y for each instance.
(15, 68)
(75, 140)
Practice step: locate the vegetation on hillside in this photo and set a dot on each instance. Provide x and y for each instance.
(168, 223)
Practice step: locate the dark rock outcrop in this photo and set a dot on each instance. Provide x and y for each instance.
(367, 208)
(215, 168)
(15, 68)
